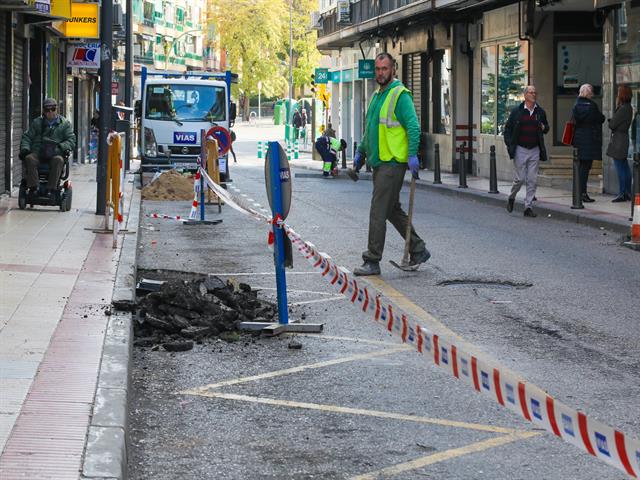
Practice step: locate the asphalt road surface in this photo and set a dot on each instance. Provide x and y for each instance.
(556, 302)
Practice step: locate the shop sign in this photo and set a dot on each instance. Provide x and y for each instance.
(366, 69)
(86, 55)
(344, 12)
(61, 8)
(335, 77)
(321, 76)
(42, 6)
(84, 21)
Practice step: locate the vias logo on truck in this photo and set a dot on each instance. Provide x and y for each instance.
(184, 137)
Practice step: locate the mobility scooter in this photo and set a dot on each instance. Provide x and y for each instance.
(61, 196)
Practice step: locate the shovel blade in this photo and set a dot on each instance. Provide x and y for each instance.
(405, 267)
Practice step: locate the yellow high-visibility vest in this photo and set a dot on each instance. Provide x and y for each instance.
(392, 137)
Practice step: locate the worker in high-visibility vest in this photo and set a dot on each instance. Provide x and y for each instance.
(390, 145)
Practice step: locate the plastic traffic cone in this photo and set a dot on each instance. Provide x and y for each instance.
(635, 225)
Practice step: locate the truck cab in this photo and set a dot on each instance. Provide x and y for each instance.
(173, 112)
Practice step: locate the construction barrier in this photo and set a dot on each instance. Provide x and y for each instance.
(115, 185)
(484, 376)
(259, 150)
(296, 151)
(635, 225)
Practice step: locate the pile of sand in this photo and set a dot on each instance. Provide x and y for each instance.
(171, 185)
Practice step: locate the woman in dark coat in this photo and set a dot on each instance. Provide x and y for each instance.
(588, 135)
(618, 148)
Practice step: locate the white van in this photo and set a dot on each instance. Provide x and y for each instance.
(173, 111)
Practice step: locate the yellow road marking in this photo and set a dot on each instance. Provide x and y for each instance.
(287, 371)
(446, 455)
(359, 411)
(406, 304)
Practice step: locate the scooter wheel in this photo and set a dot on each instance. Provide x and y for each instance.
(22, 197)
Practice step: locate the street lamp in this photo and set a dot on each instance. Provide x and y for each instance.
(291, 50)
(168, 46)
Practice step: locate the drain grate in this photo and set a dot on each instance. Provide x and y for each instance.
(484, 283)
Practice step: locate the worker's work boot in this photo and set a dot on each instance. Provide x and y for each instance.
(367, 268)
(419, 258)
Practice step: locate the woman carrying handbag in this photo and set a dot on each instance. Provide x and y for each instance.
(618, 147)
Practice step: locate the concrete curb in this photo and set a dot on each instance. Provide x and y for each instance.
(588, 217)
(107, 442)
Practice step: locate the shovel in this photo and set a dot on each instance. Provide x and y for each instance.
(405, 265)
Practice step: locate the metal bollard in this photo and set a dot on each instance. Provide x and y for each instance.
(344, 159)
(436, 165)
(355, 150)
(635, 186)
(577, 194)
(462, 167)
(424, 151)
(493, 171)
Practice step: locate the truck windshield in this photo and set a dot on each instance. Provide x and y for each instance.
(186, 103)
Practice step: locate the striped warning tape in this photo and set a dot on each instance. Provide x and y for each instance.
(165, 217)
(503, 386)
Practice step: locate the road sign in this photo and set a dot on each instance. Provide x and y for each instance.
(284, 179)
(322, 75)
(366, 69)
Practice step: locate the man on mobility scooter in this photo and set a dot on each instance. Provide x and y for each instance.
(44, 149)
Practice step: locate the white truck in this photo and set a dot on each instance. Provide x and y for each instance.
(175, 107)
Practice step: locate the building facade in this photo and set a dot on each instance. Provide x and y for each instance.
(467, 62)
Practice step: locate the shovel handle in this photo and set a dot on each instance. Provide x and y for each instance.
(407, 237)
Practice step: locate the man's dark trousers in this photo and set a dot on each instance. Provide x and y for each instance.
(385, 205)
(55, 170)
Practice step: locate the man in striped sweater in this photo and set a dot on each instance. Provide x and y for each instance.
(523, 136)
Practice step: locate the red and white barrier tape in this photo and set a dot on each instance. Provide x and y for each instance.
(166, 217)
(525, 399)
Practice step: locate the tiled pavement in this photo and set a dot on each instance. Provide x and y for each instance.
(56, 278)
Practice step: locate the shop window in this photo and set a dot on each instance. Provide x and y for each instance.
(442, 92)
(488, 90)
(503, 81)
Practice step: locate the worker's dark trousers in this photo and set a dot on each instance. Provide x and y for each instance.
(55, 170)
(385, 205)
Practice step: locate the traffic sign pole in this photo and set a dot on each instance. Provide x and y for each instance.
(278, 234)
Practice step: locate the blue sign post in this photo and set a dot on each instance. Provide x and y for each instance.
(278, 182)
(277, 211)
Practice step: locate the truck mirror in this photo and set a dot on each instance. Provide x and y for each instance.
(232, 111)
(138, 108)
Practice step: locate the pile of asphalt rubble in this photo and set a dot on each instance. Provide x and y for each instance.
(182, 312)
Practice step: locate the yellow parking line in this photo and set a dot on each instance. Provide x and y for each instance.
(360, 411)
(406, 304)
(302, 368)
(446, 455)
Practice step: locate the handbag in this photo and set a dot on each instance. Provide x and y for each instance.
(567, 133)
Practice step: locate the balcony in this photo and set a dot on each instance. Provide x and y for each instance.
(143, 59)
(369, 16)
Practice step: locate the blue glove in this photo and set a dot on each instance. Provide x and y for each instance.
(357, 161)
(414, 165)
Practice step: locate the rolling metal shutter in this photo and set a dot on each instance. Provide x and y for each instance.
(18, 112)
(413, 81)
(4, 100)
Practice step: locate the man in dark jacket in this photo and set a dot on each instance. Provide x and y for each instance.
(48, 139)
(523, 136)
